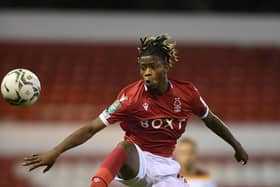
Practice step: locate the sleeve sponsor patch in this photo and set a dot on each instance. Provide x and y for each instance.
(114, 107)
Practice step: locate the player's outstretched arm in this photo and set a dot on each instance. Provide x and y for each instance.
(219, 128)
(78, 137)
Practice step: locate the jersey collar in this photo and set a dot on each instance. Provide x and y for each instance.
(171, 85)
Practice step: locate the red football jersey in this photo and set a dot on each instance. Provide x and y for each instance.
(155, 122)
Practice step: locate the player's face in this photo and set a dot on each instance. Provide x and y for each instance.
(153, 71)
(185, 154)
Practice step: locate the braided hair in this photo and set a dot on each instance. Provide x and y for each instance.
(151, 45)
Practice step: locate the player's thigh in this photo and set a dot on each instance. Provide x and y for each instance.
(141, 179)
(130, 168)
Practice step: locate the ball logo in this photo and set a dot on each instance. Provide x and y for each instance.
(29, 77)
(177, 104)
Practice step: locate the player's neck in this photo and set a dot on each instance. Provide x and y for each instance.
(163, 88)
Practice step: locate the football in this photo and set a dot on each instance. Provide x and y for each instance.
(20, 87)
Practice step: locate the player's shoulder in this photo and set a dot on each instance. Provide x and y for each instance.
(186, 85)
(133, 88)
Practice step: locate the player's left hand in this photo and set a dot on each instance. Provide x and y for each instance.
(241, 155)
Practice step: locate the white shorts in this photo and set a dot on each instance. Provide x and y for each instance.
(155, 171)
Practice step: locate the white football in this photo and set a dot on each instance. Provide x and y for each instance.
(20, 87)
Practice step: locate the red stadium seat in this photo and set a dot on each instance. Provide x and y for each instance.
(83, 76)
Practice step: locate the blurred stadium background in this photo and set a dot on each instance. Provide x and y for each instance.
(85, 52)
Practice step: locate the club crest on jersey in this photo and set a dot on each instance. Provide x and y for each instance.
(177, 104)
(146, 106)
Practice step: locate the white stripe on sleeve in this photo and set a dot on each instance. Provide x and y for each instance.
(207, 109)
(104, 116)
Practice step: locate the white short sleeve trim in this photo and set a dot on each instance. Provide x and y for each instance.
(104, 116)
(207, 109)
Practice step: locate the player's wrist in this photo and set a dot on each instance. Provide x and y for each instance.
(57, 151)
(237, 146)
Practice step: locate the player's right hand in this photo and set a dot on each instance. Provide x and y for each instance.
(43, 159)
(241, 155)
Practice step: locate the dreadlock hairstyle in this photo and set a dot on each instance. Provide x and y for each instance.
(151, 45)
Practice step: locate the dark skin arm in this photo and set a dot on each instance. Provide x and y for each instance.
(78, 137)
(220, 129)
